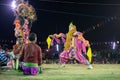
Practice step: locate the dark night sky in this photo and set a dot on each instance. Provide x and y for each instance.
(54, 16)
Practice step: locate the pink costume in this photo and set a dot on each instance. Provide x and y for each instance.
(64, 57)
(79, 48)
(54, 37)
(75, 51)
(25, 31)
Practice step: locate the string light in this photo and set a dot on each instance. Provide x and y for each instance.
(100, 24)
(117, 42)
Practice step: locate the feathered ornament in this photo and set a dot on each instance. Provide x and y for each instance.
(89, 54)
(48, 40)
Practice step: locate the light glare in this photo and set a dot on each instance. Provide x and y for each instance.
(57, 47)
(114, 45)
(13, 5)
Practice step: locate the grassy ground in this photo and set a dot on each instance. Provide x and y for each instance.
(70, 72)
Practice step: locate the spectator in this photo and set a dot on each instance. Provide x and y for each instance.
(4, 57)
(31, 55)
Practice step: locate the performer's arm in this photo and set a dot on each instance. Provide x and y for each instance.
(21, 54)
(16, 49)
(83, 47)
(39, 56)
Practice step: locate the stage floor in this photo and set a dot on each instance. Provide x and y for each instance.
(69, 72)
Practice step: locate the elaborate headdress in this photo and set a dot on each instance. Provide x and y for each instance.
(71, 26)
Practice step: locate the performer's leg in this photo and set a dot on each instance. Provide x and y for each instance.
(17, 64)
(13, 64)
(89, 65)
(63, 57)
(83, 60)
(63, 61)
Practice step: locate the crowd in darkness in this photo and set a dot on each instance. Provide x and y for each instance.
(99, 56)
(106, 56)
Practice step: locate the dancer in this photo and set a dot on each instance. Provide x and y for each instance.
(25, 16)
(55, 45)
(75, 47)
(64, 56)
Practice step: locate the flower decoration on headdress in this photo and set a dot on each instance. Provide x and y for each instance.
(25, 10)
